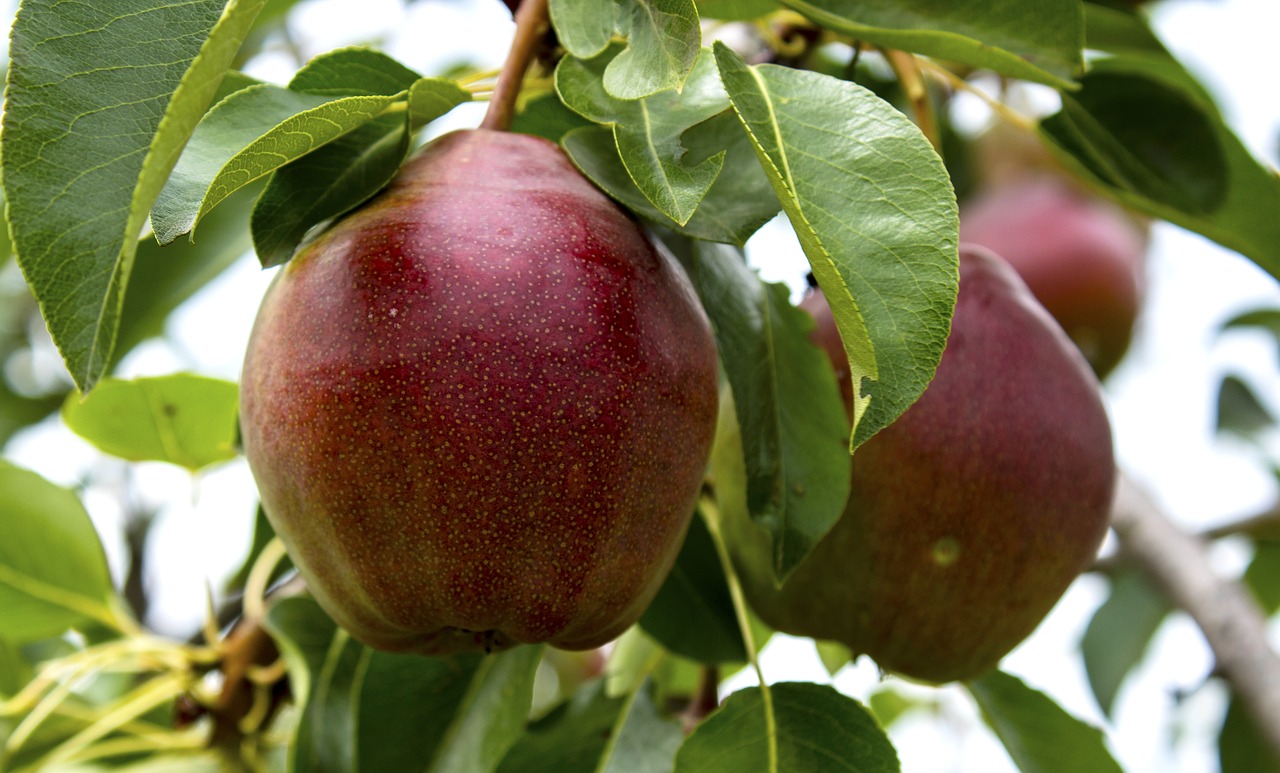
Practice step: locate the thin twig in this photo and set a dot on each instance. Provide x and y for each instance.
(1229, 617)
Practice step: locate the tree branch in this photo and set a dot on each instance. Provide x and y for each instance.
(1229, 617)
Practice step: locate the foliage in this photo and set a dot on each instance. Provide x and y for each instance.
(133, 115)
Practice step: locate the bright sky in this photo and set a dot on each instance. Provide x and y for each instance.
(1162, 398)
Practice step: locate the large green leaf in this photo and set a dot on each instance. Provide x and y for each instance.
(183, 419)
(248, 135)
(1185, 164)
(351, 72)
(1129, 34)
(53, 573)
(332, 180)
(696, 590)
(370, 710)
(811, 727)
(662, 41)
(1040, 41)
(875, 214)
(1038, 734)
(349, 170)
(792, 421)
(1119, 632)
(648, 131)
(100, 99)
(492, 713)
(737, 204)
(1145, 137)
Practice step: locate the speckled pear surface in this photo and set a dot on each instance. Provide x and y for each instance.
(1082, 257)
(479, 408)
(972, 513)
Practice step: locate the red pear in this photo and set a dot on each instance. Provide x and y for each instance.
(479, 408)
(1083, 258)
(972, 513)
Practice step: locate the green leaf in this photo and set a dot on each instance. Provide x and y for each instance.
(430, 98)
(1265, 319)
(53, 573)
(663, 42)
(814, 728)
(875, 214)
(1143, 136)
(1240, 412)
(583, 27)
(547, 117)
(355, 71)
(15, 670)
(1040, 41)
(346, 172)
(166, 276)
(100, 100)
(1038, 734)
(1119, 632)
(631, 660)
(325, 184)
(407, 704)
(1190, 193)
(492, 713)
(889, 705)
(737, 204)
(736, 10)
(1241, 747)
(696, 590)
(648, 131)
(788, 406)
(642, 740)
(246, 136)
(183, 419)
(368, 710)
(571, 738)
(1129, 34)
(1263, 574)
(834, 656)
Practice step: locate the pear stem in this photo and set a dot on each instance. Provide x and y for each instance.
(532, 21)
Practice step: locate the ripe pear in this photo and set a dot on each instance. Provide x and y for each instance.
(1083, 258)
(971, 514)
(479, 408)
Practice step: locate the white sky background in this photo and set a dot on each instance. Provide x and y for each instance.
(1162, 398)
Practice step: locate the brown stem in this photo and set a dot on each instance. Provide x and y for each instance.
(532, 22)
(705, 701)
(907, 68)
(1263, 525)
(1227, 614)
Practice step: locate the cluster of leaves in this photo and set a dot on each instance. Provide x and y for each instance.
(692, 138)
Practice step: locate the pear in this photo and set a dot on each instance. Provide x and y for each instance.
(479, 408)
(1083, 258)
(971, 514)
